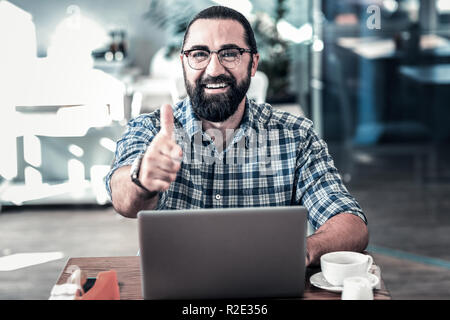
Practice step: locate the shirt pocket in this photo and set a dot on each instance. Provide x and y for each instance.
(253, 185)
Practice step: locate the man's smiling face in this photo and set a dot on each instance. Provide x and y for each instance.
(217, 91)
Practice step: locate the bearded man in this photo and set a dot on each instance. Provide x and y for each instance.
(218, 149)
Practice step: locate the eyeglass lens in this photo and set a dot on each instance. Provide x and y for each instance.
(199, 59)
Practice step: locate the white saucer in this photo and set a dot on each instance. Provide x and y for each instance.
(319, 281)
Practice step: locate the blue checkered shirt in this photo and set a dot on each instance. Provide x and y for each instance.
(274, 159)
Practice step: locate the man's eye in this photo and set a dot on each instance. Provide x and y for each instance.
(199, 54)
(229, 53)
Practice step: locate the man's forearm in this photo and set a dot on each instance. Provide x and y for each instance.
(127, 198)
(343, 232)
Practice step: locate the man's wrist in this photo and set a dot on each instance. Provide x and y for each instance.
(143, 193)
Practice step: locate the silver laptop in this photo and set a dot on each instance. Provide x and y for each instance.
(223, 253)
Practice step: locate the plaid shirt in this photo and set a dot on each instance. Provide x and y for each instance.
(274, 159)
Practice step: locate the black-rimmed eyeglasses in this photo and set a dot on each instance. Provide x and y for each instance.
(230, 58)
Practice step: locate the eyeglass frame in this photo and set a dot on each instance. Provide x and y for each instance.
(241, 52)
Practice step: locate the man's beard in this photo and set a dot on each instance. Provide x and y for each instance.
(217, 107)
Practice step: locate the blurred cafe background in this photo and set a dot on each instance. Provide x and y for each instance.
(373, 75)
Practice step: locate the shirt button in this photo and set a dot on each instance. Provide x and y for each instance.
(218, 197)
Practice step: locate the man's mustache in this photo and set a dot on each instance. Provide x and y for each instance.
(214, 80)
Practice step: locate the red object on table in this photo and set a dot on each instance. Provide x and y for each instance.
(106, 287)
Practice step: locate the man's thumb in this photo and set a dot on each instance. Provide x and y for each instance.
(167, 120)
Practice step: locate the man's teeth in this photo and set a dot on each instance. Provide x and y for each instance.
(216, 85)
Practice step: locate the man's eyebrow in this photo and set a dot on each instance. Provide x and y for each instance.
(229, 46)
(199, 47)
(203, 47)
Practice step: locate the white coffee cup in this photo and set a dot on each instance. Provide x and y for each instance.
(357, 288)
(338, 265)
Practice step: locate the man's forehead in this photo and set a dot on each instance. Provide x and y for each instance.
(213, 33)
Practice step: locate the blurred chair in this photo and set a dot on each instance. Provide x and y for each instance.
(161, 86)
(148, 94)
(178, 89)
(258, 87)
(163, 66)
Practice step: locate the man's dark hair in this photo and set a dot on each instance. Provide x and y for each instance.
(225, 13)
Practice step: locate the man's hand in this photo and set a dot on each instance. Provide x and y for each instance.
(162, 159)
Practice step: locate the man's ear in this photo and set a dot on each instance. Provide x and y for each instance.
(255, 63)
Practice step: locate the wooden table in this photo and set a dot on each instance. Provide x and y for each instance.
(129, 277)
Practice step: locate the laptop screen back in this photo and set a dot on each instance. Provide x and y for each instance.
(223, 253)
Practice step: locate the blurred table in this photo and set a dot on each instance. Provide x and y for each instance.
(382, 48)
(430, 74)
(129, 277)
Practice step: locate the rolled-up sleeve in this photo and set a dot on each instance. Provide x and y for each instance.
(138, 135)
(319, 186)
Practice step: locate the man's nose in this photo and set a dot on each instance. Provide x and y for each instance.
(214, 67)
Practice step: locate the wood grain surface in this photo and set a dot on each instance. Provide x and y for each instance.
(129, 276)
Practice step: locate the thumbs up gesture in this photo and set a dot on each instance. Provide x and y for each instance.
(162, 159)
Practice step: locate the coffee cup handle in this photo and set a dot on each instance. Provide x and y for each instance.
(369, 262)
